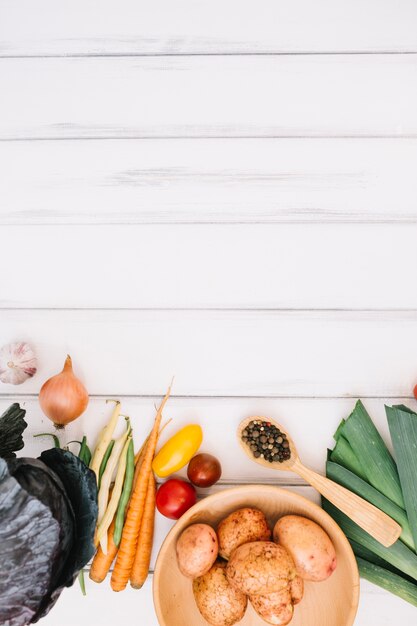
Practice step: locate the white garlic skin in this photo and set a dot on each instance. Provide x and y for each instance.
(17, 363)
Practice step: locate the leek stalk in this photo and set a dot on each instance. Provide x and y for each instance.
(344, 455)
(403, 429)
(368, 445)
(348, 479)
(388, 580)
(397, 555)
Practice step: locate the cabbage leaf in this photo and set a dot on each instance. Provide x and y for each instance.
(29, 540)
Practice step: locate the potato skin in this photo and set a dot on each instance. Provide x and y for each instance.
(218, 602)
(260, 568)
(197, 549)
(275, 608)
(242, 526)
(309, 545)
(297, 590)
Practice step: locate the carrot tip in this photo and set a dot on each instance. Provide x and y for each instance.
(96, 580)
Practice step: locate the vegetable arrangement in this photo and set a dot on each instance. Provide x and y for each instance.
(76, 509)
(127, 511)
(176, 496)
(103, 505)
(241, 563)
(362, 462)
(126, 508)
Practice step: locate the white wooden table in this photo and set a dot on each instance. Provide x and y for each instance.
(225, 191)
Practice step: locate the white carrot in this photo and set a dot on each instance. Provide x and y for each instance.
(104, 440)
(103, 494)
(114, 499)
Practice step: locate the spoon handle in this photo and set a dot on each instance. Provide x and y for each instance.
(375, 522)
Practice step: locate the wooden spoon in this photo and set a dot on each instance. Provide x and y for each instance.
(375, 522)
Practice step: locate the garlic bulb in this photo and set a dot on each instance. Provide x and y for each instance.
(17, 363)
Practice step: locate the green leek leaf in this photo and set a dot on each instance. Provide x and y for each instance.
(403, 429)
(367, 555)
(388, 580)
(339, 429)
(369, 447)
(344, 455)
(352, 482)
(348, 479)
(397, 555)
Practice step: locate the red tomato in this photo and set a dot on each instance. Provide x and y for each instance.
(175, 497)
(415, 392)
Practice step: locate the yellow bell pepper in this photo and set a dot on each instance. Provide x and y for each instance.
(178, 450)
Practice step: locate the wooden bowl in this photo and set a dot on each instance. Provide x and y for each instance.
(333, 602)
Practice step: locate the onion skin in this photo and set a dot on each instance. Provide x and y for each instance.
(63, 397)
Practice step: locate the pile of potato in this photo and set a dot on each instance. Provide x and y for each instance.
(241, 563)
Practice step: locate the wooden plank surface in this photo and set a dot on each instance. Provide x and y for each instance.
(250, 96)
(250, 353)
(198, 27)
(178, 180)
(150, 157)
(250, 266)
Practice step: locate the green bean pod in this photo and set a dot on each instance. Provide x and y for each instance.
(104, 461)
(81, 580)
(124, 498)
(85, 453)
(85, 456)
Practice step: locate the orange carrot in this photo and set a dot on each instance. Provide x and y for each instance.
(102, 562)
(131, 528)
(140, 454)
(140, 568)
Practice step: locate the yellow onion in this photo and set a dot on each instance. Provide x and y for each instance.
(63, 397)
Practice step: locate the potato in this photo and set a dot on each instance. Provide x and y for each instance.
(218, 602)
(275, 608)
(309, 545)
(242, 526)
(297, 589)
(260, 568)
(197, 549)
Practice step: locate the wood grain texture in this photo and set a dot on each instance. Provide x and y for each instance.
(220, 180)
(201, 96)
(371, 519)
(255, 353)
(200, 27)
(250, 266)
